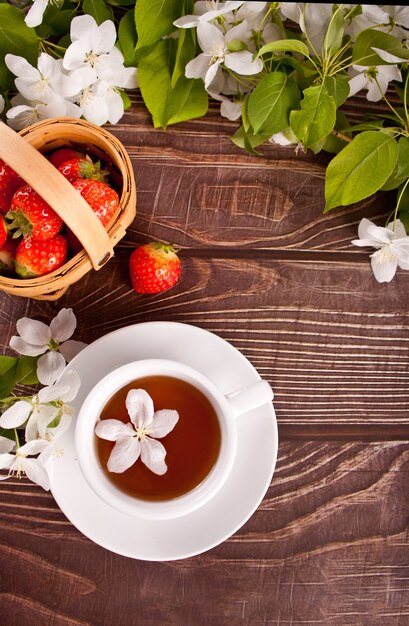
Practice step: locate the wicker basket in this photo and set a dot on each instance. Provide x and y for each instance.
(22, 152)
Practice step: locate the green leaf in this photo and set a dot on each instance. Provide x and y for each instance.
(15, 38)
(403, 158)
(284, 45)
(316, 118)
(127, 38)
(338, 88)
(121, 3)
(195, 105)
(154, 19)
(270, 103)
(169, 104)
(186, 50)
(335, 32)
(8, 367)
(26, 372)
(401, 170)
(363, 53)
(98, 10)
(360, 169)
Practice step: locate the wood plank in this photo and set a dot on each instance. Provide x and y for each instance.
(333, 343)
(328, 545)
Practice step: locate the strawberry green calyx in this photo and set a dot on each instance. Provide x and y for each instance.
(164, 247)
(19, 224)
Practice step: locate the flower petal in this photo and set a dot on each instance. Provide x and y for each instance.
(242, 63)
(163, 422)
(71, 382)
(35, 15)
(33, 447)
(124, 454)
(6, 461)
(6, 444)
(64, 424)
(69, 349)
(45, 416)
(49, 367)
(153, 455)
(16, 415)
(197, 67)
(27, 349)
(398, 228)
(37, 473)
(112, 430)
(63, 325)
(139, 405)
(33, 331)
(210, 38)
(384, 270)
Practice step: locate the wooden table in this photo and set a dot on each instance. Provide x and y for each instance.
(267, 271)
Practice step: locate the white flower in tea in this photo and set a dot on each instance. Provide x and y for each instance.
(138, 438)
(36, 338)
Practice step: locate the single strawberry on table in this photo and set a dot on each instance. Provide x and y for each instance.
(31, 216)
(154, 267)
(36, 258)
(102, 199)
(9, 183)
(82, 167)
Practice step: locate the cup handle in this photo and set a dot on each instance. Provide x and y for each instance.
(250, 397)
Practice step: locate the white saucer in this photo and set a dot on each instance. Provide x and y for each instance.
(235, 502)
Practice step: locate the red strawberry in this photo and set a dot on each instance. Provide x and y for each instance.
(7, 256)
(31, 216)
(9, 183)
(3, 231)
(36, 258)
(154, 267)
(82, 168)
(102, 199)
(58, 157)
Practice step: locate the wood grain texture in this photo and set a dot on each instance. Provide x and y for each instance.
(328, 545)
(266, 270)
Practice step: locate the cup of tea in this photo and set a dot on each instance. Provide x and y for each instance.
(200, 448)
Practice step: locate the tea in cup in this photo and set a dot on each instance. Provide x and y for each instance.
(198, 431)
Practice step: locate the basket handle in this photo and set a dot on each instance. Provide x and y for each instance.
(66, 201)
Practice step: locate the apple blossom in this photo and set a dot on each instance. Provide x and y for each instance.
(138, 438)
(375, 79)
(51, 341)
(392, 247)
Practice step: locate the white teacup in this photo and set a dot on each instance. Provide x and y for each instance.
(227, 409)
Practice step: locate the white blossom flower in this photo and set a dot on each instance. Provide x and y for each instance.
(207, 11)
(22, 463)
(392, 247)
(90, 43)
(36, 338)
(215, 52)
(2, 103)
(26, 113)
(375, 79)
(138, 438)
(47, 80)
(45, 408)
